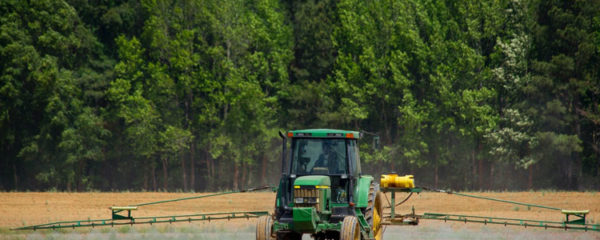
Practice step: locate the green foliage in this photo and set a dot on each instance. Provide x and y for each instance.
(141, 94)
(514, 141)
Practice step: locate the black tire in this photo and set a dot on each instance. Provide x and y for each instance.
(378, 216)
(350, 229)
(374, 210)
(368, 212)
(263, 228)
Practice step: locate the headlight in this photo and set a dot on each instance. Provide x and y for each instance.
(299, 200)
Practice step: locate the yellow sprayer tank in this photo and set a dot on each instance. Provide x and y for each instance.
(393, 180)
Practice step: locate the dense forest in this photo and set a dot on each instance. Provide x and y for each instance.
(189, 95)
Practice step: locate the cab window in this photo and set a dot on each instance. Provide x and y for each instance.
(314, 156)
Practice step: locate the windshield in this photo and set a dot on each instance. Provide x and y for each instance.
(318, 156)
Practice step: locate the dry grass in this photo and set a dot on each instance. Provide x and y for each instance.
(18, 209)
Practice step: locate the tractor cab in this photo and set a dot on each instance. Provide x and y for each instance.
(321, 183)
(330, 154)
(324, 156)
(322, 191)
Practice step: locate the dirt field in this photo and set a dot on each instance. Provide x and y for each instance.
(18, 209)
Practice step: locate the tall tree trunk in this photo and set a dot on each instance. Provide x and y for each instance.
(435, 171)
(249, 175)
(578, 168)
(565, 168)
(596, 148)
(192, 167)
(491, 177)
(530, 178)
(436, 177)
(78, 176)
(387, 133)
(263, 172)
(153, 172)
(165, 174)
(244, 175)
(480, 174)
(188, 103)
(184, 173)
(208, 170)
(212, 168)
(146, 178)
(474, 169)
(236, 175)
(15, 176)
(481, 168)
(487, 166)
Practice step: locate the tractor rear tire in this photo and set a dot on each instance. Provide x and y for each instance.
(263, 228)
(374, 210)
(350, 229)
(377, 216)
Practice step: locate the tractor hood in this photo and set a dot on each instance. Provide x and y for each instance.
(317, 181)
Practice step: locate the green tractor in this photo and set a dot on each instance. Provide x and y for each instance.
(322, 191)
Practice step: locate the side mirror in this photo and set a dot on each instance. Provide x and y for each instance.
(376, 145)
(282, 135)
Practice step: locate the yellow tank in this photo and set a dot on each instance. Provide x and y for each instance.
(393, 180)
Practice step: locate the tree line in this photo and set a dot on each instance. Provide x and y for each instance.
(190, 95)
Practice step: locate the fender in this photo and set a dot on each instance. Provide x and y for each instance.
(361, 192)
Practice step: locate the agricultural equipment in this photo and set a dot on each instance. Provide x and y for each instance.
(119, 218)
(322, 192)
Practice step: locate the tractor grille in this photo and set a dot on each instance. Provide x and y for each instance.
(306, 198)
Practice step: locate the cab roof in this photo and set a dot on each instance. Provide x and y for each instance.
(324, 133)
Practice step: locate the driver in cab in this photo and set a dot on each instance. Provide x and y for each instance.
(327, 162)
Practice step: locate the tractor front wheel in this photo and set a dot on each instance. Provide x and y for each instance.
(350, 229)
(263, 228)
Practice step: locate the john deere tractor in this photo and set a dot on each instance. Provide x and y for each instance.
(322, 191)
